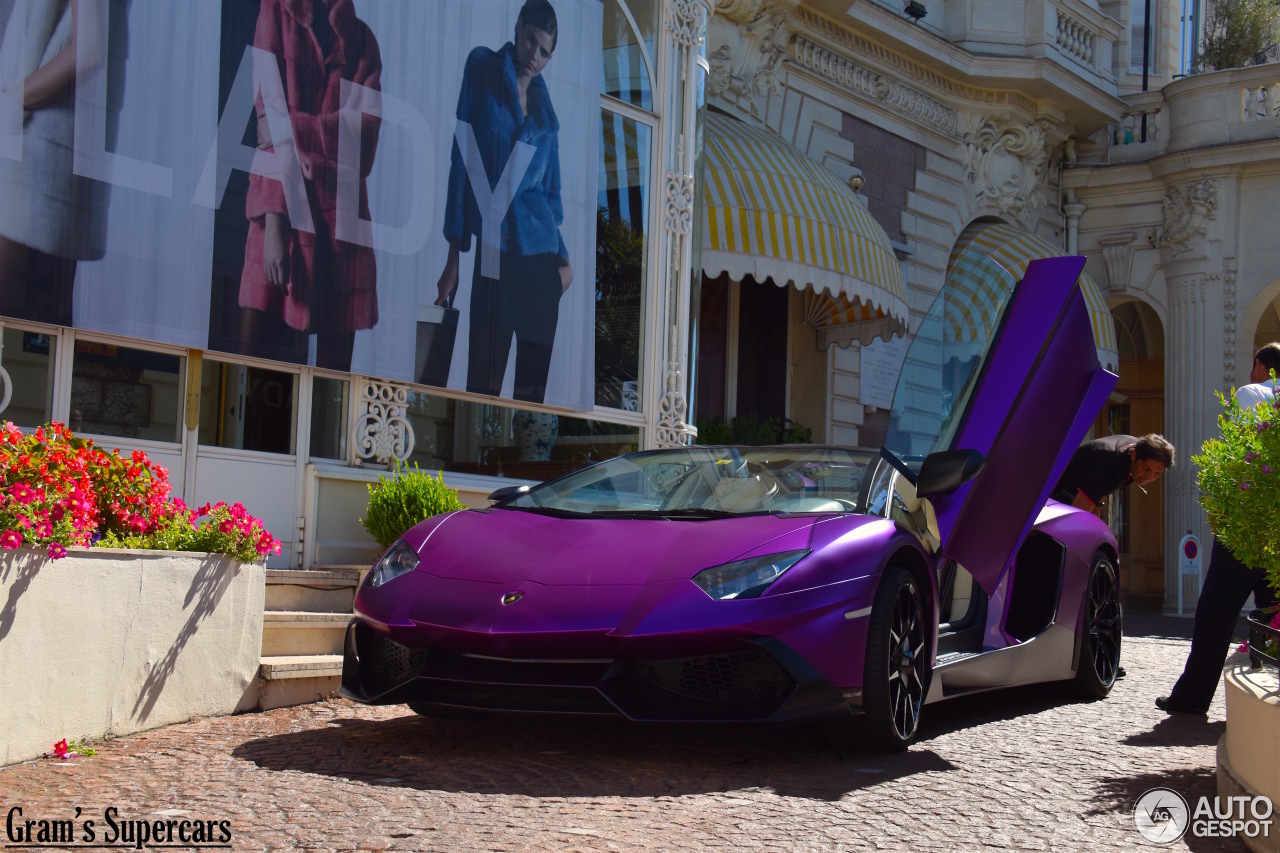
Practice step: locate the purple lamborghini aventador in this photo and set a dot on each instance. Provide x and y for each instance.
(772, 583)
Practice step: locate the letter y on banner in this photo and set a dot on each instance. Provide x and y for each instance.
(493, 202)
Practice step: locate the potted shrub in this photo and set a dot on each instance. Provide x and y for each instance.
(1239, 476)
(400, 501)
(105, 627)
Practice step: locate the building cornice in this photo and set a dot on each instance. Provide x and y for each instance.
(953, 79)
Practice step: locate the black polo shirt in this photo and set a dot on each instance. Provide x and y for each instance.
(1097, 469)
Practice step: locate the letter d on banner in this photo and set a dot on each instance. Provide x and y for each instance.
(1188, 564)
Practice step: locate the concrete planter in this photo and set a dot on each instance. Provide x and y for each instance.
(1249, 751)
(110, 642)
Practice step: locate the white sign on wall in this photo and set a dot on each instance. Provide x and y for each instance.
(881, 364)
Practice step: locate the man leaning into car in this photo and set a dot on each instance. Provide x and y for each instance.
(1105, 465)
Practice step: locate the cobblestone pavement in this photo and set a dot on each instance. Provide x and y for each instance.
(1029, 769)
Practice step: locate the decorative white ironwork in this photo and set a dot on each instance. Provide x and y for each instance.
(687, 22)
(679, 210)
(672, 411)
(383, 431)
(6, 394)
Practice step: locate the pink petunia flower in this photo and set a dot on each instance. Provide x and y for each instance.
(1244, 648)
(60, 749)
(22, 493)
(57, 550)
(10, 539)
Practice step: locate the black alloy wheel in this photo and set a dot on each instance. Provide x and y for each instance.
(897, 671)
(1102, 630)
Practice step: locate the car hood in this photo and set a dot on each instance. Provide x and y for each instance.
(506, 546)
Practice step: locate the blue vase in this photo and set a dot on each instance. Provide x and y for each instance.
(535, 434)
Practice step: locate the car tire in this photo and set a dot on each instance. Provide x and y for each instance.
(1101, 630)
(896, 676)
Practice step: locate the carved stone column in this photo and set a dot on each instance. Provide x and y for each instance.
(1189, 417)
(681, 67)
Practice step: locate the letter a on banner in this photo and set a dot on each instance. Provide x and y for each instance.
(258, 76)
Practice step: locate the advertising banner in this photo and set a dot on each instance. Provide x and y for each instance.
(397, 188)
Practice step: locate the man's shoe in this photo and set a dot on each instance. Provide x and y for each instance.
(1169, 706)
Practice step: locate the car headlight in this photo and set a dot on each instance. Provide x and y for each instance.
(398, 560)
(746, 578)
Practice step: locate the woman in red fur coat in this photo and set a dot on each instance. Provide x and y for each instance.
(312, 281)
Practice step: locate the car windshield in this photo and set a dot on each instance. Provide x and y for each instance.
(710, 482)
(946, 355)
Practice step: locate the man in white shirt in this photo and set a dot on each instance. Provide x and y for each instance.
(1227, 583)
(1263, 387)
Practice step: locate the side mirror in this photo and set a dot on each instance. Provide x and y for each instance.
(506, 493)
(947, 470)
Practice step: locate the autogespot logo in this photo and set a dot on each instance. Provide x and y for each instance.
(1161, 816)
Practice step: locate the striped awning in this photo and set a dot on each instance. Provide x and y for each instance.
(990, 256)
(772, 213)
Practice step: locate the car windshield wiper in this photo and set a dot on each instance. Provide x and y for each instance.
(548, 510)
(688, 513)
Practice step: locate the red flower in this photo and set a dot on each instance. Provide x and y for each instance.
(60, 749)
(10, 539)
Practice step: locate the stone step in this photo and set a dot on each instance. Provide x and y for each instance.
(302, 632)
(286, 680)
(331, 590)
(282, 667)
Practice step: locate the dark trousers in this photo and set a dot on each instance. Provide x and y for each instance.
(1227, 585)
(524, 301)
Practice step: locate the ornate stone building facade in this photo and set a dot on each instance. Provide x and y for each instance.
(783, 186)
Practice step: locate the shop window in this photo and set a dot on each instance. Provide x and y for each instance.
(500, 441)
(126, 392)
(753, 327)
(713, 336)
(28, 359)
(247, 408)
(762, 350)
(1138, 35)
(626, 68)
(621, 247)
(329, 418)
